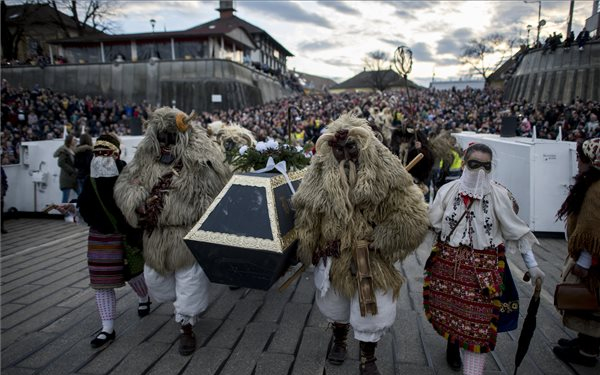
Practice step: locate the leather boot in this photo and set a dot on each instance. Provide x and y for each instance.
(367, 358)
(338, 351)
(453, 356)
(187, 340)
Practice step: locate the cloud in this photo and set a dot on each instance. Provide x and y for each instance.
(339, 6)
(317, 45)
(455, 41)
(291, 12)
(394, 42)
(403, 13)
(421, 52)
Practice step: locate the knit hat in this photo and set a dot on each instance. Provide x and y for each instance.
(108, 142)
(591, 149)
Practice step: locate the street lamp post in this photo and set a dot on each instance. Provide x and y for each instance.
(540, 23)
(153, 23)
(528, 31)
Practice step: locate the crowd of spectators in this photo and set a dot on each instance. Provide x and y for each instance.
(39, 114)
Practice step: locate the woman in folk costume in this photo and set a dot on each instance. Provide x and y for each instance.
(174, 176)
(582, 210)
(475, 222)
(105, 242)
(357, 213)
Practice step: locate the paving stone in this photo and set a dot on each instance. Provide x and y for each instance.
(40, 320)
(287, 336)
(125, 343)
(65, 340)
(17, 371)
(349, 367)
(81, 298)
(305, 291)
(36, 308)
(416, 370)
(18, 292)
(206, 361)
(221, 308)
(24, 347)
(273, 363)
(140, 358)
(312, 353)
(49, 289)
(243, 359)
(171, 363)
(9, 308)
(232, 328)
(29, 279)
(272, 308)
(316, 319)
(407, 339)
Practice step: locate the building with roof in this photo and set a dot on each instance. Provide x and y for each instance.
(27, 28)
(373, 80)
(227, 37)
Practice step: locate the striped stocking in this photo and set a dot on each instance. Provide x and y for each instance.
(138, 284)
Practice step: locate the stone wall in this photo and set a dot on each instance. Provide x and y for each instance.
(562, 76)
(191, 83)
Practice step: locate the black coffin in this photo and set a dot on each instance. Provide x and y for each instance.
(246, 237)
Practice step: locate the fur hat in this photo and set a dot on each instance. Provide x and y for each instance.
(108, 142)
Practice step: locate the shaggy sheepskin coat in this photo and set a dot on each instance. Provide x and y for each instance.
(381, 205)
(192, 190)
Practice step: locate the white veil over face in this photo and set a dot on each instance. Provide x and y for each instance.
(475, 183)
(103, 166)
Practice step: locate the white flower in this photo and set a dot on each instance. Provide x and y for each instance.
(299, 149)
(261, 146)
(243, 149)
(272, 144)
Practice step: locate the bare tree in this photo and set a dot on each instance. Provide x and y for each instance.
(13, 28)
(85, 14)
(485, 55)
(377, 64)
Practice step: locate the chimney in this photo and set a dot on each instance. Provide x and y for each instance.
(226, 9)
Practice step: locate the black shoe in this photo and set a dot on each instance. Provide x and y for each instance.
(144, 308)
(568, 343)
(103, 339)
(453, 356)
(573, 355)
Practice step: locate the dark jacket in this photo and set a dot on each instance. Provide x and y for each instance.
(83, 159)
(4, 183)
(91, 209)
(68, 172)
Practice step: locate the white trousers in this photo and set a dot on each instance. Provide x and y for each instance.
(338, 308)
(187, 288)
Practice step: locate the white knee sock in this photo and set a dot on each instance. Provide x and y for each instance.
(108, 326)
(473, 363)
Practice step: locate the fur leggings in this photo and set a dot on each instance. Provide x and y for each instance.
(106, 299)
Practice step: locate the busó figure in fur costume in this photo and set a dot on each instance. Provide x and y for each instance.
(174, 176)
(357, 195)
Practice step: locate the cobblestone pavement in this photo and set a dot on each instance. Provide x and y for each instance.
(49, 317)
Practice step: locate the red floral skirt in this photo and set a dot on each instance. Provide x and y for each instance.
(460, 294)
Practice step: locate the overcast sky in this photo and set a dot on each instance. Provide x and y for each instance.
(331, 38)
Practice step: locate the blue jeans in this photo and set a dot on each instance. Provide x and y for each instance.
(66, 193)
